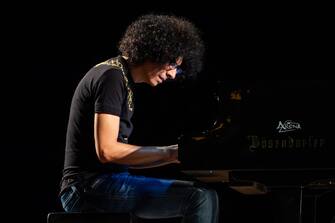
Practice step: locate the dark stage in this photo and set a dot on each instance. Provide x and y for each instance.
(270, 55)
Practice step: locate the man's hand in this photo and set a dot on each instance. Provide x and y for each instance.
(172, 151)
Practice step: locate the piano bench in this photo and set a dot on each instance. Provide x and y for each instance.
(94, 217)
(101, 217)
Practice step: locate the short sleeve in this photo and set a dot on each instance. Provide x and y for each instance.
(109, 93)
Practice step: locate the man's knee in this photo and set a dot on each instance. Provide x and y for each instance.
(212, 197)
(205, 197)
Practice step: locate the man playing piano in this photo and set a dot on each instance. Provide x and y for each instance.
(153, 49)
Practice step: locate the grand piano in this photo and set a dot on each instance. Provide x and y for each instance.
(268, 137)
(265, 135)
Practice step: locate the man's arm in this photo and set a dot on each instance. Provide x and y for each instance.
(108, 149)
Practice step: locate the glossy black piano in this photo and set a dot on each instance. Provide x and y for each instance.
(274, 133)
(271, 138)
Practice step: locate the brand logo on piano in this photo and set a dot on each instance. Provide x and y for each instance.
(284, 141)
(288, 126)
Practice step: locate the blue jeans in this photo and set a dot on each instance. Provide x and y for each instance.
(145, 197)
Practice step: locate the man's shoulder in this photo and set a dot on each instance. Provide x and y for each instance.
(108, 69)
(113, 64)
(103, 74)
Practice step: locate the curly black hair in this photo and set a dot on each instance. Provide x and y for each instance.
(162, 39)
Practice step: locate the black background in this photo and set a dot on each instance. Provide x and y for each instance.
(47, 48)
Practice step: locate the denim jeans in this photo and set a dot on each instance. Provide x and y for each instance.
(145, 197)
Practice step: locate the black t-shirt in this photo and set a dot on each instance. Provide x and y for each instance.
(106, 88)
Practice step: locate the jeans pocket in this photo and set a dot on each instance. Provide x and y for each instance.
(70, 199)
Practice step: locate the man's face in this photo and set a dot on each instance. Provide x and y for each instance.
(157, 74)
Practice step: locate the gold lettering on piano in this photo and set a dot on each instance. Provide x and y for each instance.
(262, 143)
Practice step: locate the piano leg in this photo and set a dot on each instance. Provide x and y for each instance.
(286, 205)
(318, 205)
(304, 205)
